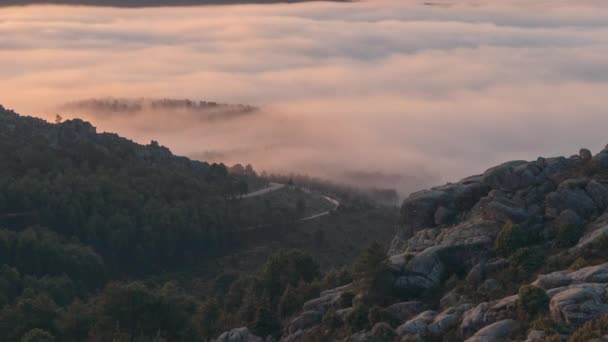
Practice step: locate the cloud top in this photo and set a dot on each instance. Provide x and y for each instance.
(400, 89)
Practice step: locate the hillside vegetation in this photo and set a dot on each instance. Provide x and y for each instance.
(103, 239)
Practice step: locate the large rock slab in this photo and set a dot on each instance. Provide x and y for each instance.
(305, 320)
(238, 335)
(497, 332)
(578, 304)
(447, 320)
(417, 326)
(572, 195)
(458, 247)
(591, 274)
(405, 310)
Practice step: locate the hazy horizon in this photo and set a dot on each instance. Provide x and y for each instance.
(405, 92)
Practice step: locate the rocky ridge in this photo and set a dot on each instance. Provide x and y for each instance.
(451, 231)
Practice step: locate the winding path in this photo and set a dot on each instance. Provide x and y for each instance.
(277, 186)
(335, 203)
(270, 188)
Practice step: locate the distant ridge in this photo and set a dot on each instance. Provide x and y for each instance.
(201, 110)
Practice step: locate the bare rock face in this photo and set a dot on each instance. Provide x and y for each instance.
(405, 310)
(598, 193)
(238, 335)
(432, 324)
(447, 320)
(591, 274)
(484, 314)
(497, 332)
(305, 320)
(417, 326)
(594, 234)
(455, 248)
(323, 303)
(572, 195)
(441, 205)
(600, 160)
(578, 304)
(576, 296)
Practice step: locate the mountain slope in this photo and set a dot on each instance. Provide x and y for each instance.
(516, 252)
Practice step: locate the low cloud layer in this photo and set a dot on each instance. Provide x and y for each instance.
(401, 89)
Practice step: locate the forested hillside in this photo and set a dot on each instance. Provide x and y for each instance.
(103, 239)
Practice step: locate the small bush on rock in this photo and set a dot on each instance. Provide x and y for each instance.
(383, 332)
(357, 319)
(579, 263)
(568, 235)
(529, 259)
(346, 299)
(378, 315)
(38, 335)
(331, 320)
(595, 329)
(511, 238)
(533, 300)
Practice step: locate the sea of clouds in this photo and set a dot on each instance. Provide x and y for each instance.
(411, 93)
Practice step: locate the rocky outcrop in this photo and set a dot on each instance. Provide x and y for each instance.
(405, 310)
(484, 314)
(305, 320)
(432, 324)
(439, 206)
(600, 160)
(417, 326)
(497, 332)
(591, 274)
(452, 229)
(577, 304)
(454, 248)
(238, 335)
(571, 195)
(594, 235)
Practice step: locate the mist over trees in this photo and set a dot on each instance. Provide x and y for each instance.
(94, 228)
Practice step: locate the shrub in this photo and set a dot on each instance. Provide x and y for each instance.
(288, 303)
(331, 320)
(380, 315)
(529, 259)
(410, 338)
(568, 235)
(357, 318)
(372, 274)
(510, 238)
(383, 332)
(37, 335)
(266, 323)
(579, 263)
(533, 300)
(346, 299)
(594, 329)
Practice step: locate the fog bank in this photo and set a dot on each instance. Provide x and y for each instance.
(394, 91)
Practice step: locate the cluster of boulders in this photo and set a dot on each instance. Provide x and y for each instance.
(453, 228)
